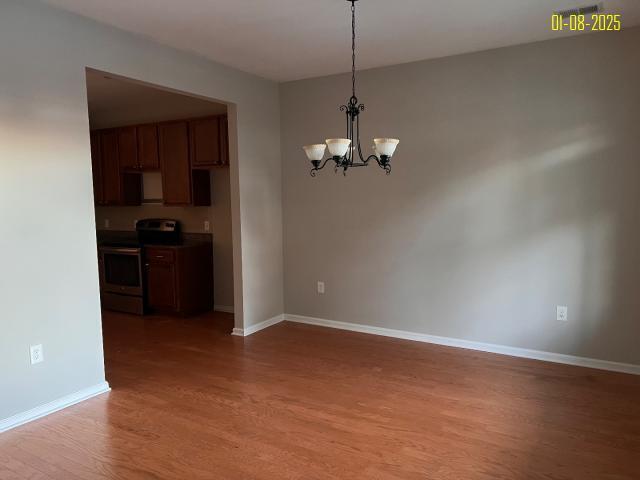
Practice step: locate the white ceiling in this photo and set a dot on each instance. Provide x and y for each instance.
(114, 102)
(292, 39)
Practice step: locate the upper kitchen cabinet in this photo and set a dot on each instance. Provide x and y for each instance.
(96, 168)
(110, 167)
(184, 151)
(224, 140)
(148, 154)
(128, 148)
(174, 162)
(208, 142)
(138, 147)
(112, 185)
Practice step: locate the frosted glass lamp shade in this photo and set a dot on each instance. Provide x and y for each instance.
(338, 146)
(315, 152)
(386, 146)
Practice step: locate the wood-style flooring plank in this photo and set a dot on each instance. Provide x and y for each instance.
(304, 402)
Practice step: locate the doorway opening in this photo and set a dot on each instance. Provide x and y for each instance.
(163, 207)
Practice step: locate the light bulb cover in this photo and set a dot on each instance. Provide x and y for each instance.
(386, 146)
(315, 152)
(338, 147)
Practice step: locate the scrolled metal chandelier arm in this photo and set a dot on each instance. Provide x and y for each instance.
(343, 150)
(319, 165)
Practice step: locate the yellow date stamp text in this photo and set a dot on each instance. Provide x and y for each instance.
(598, 22)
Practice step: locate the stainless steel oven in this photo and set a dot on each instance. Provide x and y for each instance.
(121, 281)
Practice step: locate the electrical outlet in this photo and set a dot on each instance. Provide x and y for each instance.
(562, 313)
(106, 223)
(321, 288)
(36, 354)
(207, 226)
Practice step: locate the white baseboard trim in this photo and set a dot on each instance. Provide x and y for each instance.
(51, 407)
(483, 347)
(240, 332)
(223, 308)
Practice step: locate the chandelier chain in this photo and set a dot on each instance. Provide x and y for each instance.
(353, 47)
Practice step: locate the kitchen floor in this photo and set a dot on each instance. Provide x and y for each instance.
(304, 402)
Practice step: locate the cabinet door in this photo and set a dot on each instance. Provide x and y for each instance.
(161, 286)
(110, 167)
(128, 147)
(224, 141)
(96, 168)
(174, 163)
(205, 141)
(148, 147)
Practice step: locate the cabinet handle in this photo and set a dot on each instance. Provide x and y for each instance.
(159, 256)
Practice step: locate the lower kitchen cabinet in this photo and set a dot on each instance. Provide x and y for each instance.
(161, 286)
(179, 279)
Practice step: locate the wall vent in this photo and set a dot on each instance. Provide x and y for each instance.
(588, 10)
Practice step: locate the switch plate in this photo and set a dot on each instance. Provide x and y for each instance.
(321, 288)
(36, 354)
(106, 223)
(562, 313)
(207, 226)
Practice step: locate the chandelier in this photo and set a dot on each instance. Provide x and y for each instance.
(343, 151)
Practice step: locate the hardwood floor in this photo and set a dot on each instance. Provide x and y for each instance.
(295, 401)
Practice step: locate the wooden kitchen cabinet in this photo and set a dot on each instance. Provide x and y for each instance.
(224, 141)
(112, 185)
(110, 167)
(128, 148)
(148, 155)
(174, 162)
(179, 279)
(96, 168)
(161, 286)
(184, 151)
(204, 137)
(138, 148)
(209, 146)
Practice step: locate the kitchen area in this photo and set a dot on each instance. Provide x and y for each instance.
(160, 163)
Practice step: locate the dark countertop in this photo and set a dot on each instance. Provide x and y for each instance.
(130, 238)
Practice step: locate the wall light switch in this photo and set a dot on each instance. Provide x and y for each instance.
(36, 354)
(207, 226)
(321, 288)
(106, 223)
(562, 313)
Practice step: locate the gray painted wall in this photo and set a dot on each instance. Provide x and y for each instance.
(514, 189)
(49, 279)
